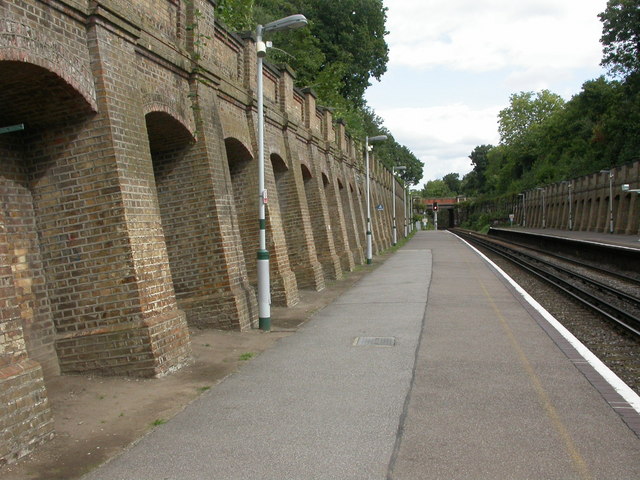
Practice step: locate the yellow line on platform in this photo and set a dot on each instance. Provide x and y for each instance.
(578, 461)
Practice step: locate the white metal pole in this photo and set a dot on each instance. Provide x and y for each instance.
(369, 246)
(404, 202)
(264, 287)
(395, 235)
(611, 202)
(570, 207)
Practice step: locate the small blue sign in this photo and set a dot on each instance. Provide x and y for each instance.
(379, 207)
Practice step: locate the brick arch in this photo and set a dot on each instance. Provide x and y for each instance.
(154, 104)
(237, 150)
(325, 180)
(166, 132)
(62, 68)
(279, 165)
(38, 97)
(306, 173)
(244, 184)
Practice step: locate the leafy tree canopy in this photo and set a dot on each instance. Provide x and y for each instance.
(544, 139)
(337, 55)
(436, 189)
(621, 37)
(525, 111)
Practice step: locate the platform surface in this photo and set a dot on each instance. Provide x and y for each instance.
(431, 367)
(630, 241)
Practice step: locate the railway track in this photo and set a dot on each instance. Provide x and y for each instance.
(615, 297)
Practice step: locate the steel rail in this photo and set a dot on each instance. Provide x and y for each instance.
(606, 271)
(621, 317)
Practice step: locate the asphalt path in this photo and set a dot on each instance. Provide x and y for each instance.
(317, 405)
(430, 367)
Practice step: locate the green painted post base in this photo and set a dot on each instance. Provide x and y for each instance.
(264, 324)
(368, 261)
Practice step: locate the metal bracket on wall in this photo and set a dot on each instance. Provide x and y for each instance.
(12, 128)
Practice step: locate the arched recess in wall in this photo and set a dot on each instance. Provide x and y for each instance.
(350, 220)
(331, 203)
(317, 218)
(244, 180)
(595, 218)
(357, 209)
(171, 145)
(312, 199)
(41, 176)
(289, 210)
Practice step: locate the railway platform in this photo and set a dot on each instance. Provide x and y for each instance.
(433, 366)
(630, 241)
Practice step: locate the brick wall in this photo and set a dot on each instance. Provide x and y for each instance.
(129, 200)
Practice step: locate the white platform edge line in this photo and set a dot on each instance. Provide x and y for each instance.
(632, 398)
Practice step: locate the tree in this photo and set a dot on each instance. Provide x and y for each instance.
(621, 37)
(342, 48)
(390, 152)
(345, 37)
(436, 189)
(524, 112)
(453, 182)
(474, 182)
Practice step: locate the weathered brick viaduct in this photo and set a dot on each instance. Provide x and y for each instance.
(591, 202)
(129, 199)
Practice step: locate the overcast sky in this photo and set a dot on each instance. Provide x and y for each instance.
(454, 63)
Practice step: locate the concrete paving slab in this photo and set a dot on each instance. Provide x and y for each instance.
(314, 407)
(493, 396)
(473, 387)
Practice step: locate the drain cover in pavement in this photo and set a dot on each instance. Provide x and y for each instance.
(374, 341)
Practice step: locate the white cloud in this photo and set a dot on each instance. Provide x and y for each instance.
(452, 62)
(446, 123)
(473, 35)
(442, 136)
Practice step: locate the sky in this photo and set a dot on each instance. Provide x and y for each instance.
(453, 65)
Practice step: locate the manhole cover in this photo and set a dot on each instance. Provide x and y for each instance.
(374, 341)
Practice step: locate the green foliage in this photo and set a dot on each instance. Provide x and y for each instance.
(524, 113)
(236, 14)
(390, 152)
(453, 182)
(621, 37)
(545, 140)
(474, 182)
(436, 189)
(337, 54)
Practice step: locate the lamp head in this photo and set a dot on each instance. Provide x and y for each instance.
(377, 138)
(287, 23)
(625, 187)
(398, 168)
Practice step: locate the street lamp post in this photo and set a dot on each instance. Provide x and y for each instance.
(404, 201)
(410, 217)
(610, 172)
(627, 188)
(377, 138)
(524, 218)
(264, 287)
(393, 171)
(544, 219)
(569, 188)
